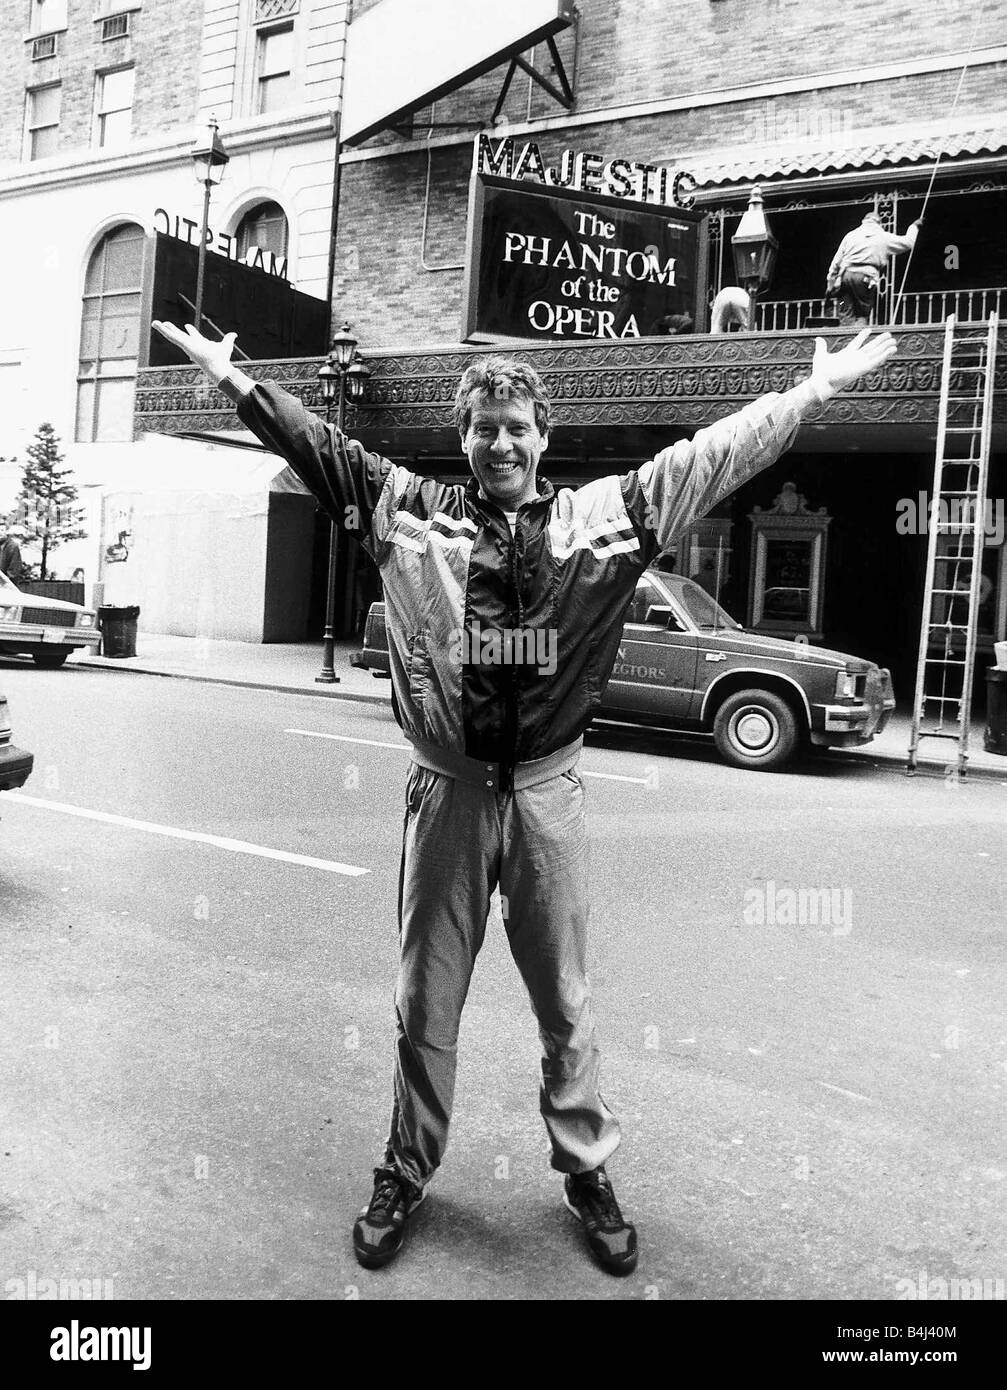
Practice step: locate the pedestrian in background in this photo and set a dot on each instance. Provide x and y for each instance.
(494, 796)
(11, 563)
(857, 265)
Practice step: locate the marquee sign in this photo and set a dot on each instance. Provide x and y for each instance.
(221, 243)
(270, 317)
(553, 259)
(587, 173)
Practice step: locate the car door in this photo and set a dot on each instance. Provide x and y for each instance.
(655, 670)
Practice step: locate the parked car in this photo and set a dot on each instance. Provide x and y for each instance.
(49, 629)
(15, 763)
(685, 663)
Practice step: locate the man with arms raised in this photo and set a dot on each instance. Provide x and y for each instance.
(493, 795)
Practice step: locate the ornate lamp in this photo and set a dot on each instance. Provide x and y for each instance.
(328, 380)
(357, 377)
(209, 158)
(754, 249)
(343, 349)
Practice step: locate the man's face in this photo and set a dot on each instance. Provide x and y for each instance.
(504, 446)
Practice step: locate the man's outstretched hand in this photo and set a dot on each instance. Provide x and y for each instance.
(211, 356)
(849, 364)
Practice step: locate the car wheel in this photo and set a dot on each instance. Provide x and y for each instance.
(50, 660)
(756, 729)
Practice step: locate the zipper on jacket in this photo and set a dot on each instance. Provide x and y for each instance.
(516, 567)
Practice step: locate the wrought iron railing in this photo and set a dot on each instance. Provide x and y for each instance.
(968, 306)
(926, 307)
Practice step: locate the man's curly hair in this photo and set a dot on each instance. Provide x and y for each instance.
(502, 377)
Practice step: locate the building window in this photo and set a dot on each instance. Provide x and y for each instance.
(110, 337)
(265, 226)
(43, 121)
(274, 69)
(114, 100)
(116, 26)
(47, 16)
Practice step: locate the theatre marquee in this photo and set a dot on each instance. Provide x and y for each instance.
(548, 262)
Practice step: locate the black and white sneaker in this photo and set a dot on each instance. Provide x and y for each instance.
(611, 1239)
(380, 1230)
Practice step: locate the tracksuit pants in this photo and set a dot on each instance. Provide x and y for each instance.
(462, 836)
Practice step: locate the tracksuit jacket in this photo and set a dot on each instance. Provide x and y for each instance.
(449, 562)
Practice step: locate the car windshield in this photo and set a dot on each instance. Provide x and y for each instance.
(704, 611)
(5, 583)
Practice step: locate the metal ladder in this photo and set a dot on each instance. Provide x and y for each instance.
(947, 651)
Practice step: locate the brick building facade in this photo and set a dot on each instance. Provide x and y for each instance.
(698, 83)
(833, 112)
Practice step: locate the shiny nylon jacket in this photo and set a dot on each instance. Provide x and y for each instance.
(449, 563)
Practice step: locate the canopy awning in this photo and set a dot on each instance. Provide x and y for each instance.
(162, 464)
(875, 147)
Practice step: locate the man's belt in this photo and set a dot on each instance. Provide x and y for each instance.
(871, 271)
(496, 776)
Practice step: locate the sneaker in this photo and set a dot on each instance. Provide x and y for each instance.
(612, 1240)
(380, 1229)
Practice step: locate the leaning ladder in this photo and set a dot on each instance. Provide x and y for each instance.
(944, 668)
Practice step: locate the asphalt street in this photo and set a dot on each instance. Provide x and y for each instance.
(196, 1021)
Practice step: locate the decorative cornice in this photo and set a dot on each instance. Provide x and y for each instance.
(300, 124)
(676, 384)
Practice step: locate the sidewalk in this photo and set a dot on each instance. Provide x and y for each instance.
(291, 667)
(285, 666)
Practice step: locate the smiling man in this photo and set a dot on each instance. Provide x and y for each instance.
(494, 797)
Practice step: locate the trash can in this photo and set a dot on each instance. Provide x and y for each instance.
(995, 740)
(118, 630)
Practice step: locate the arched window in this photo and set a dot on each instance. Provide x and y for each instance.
(110, 337)
(264, 225)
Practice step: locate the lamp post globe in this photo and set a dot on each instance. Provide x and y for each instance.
(209, 158)
(357, 377)
(328, 380)
(343, 349)
(754, 249)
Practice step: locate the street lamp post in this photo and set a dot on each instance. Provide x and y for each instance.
(754, 249)
(340, 375)
(209, 159)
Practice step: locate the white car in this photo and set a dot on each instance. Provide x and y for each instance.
(49, 629)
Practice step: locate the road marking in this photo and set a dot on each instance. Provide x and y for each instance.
(618, 777)
(345, 738)
(376, 743)
(174, 833)
(841, 1091)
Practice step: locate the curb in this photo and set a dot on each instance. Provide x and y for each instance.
(926, 767)
(322, 692)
